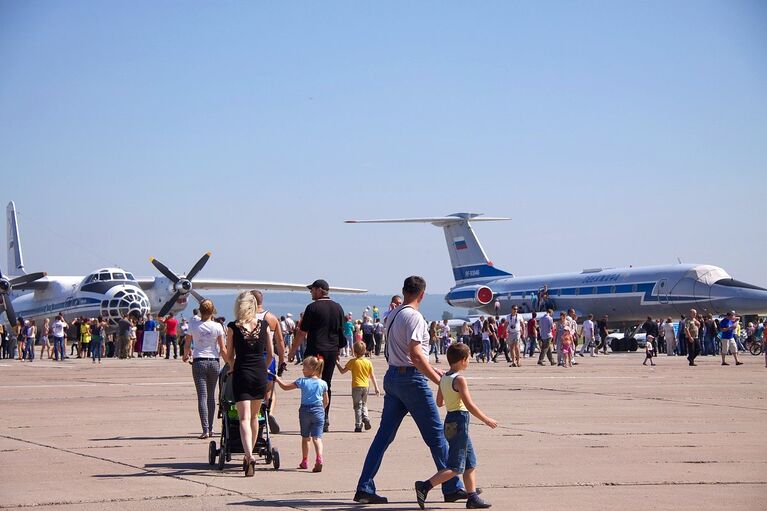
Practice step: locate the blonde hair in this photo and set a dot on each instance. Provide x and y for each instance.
(359, 349)
(315, 364)
(245, 308)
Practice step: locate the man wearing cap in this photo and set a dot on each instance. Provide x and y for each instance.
(727, 327)
(322, 327)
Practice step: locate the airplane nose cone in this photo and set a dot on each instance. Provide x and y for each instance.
(125, 300)
(744, 301)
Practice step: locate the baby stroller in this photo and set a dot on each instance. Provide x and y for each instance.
(230, 428)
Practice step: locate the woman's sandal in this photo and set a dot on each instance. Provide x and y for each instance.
(250, 469)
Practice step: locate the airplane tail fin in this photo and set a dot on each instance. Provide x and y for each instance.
(15, 259)
(468, 258)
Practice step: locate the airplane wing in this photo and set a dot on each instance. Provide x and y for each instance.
(224, 284)
(26, 282)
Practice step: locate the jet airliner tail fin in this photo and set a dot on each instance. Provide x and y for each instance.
(468, 258)
(15, 259)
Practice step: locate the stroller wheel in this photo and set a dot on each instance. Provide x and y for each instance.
(276, 459)
(222, 455)
(268, 456)
(212, 452)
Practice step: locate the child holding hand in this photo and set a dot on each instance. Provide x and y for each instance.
(362, 373)
(454, 394)
(311, 414)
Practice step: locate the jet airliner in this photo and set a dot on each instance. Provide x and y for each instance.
(626, 295)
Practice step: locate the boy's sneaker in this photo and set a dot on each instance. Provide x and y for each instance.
(475, 502)
(460, 495)
(358, 429)
(421, 491)
(366, 423)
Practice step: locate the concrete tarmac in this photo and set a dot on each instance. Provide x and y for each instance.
(606, 434)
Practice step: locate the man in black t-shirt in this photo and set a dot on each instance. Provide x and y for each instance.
(602, 329)
(322, 326)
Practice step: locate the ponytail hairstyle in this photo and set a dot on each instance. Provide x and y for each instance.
(316, 364)
(245, 307)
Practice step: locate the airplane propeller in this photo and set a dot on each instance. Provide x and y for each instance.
(7, 285)
(181, 284)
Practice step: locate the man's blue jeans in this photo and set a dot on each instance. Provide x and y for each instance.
(58, 348)
(407, 390)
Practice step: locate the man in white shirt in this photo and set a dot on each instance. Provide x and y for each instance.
(406, 383)
(58, 330)
(588, 336)
(515, 329)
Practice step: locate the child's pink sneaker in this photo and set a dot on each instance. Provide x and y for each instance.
(303, 464)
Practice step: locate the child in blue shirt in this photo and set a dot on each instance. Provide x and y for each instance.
(311, 414)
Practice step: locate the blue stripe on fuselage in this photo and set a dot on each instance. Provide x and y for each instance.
(621, 289)
(478, 271)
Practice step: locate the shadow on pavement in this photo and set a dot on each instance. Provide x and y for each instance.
(330, 504)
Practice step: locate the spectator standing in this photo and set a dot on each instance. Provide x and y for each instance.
(98, 333)
(546, 326)
(602, 330)
(533, 333)
(171, 336)
(58, 330)
(515, 325)
(588, 336)
(377, 332)
(692, 327)
(727, 326)
(207, 337)
(503, 346)
(45, 346)
(322, 327)
(670, 335)
(123, 336)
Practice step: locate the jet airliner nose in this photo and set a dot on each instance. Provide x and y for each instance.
(742, 297)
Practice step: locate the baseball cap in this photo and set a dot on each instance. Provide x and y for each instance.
(320, 283)
(731, 313)
(290, 315)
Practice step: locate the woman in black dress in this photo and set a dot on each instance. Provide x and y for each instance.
(249, 352)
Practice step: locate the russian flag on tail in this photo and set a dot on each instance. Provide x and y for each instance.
(460, 243)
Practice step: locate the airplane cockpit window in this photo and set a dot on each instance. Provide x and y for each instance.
(89, 279)
(103, 276)
(118, 276)
(130, 276)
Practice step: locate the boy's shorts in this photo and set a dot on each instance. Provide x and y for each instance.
(312, 420)
(460, 455)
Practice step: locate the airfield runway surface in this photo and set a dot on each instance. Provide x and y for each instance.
(606, 434)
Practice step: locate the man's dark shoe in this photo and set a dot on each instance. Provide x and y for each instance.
(738, 363)
(364, 497)
(326, 427)
(366, 423)
(477, 503)
(459, 495)
(421, 491)
(358, 429)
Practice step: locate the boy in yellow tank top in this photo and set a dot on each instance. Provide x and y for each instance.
(454, 394)
(362, 373)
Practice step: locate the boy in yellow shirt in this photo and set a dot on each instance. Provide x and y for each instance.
(362, 373)
(454, 394)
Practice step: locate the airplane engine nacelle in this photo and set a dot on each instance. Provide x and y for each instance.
(470, 297)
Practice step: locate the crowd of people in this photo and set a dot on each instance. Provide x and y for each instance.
(93, 338)
(257, 345)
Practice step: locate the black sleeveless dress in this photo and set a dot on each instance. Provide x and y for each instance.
(249, 377)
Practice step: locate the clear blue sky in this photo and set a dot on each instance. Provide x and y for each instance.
(613, 133)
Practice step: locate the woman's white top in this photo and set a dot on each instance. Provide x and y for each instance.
(205, 338)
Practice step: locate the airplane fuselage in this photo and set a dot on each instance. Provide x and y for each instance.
(626, 295)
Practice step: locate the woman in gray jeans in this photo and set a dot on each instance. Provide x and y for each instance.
(207, 337)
